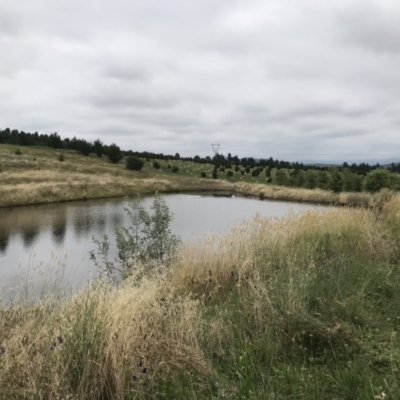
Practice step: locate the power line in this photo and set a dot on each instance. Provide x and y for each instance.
(215, 147)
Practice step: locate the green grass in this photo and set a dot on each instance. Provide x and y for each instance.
(193, 170)
(37, 176)
(305, 307)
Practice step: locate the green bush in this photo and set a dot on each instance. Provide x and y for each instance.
(156, 165)
(203, 175)
(142, 247)
(18, 152)
(377, 179)
(134, 163)
(335, 181)
(61, 158)
(175, 169)
(114, 153)
(281, 177)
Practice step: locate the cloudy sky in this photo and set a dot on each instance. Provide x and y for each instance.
(292, 79)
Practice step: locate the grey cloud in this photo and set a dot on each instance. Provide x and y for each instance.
(127, 100)
(277, 79)
(9, 23)
(127, 72)
(372, 26)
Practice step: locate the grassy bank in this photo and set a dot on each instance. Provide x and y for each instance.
(305, 307)
(38, 176)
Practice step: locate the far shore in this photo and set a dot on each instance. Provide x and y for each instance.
(37, 176)
(47, 187)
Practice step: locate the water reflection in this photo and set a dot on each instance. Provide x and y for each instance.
(29, 235)
(3, 244)
(100, 224)
(34, 235)
(58, 232)
(117, 219)
(82, 223)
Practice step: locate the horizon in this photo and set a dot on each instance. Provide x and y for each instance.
(310, 80)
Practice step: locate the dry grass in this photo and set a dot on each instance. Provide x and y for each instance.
(302, 307)
(36, 176)
(100, 341)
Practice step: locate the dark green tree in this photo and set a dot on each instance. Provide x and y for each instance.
(134, 164)
(54, 141)
(281, 177)
(114, 153)
(376, 180)
(311, 179)
(98, 147)
(300, 178)
(323, 179)
(335, 181)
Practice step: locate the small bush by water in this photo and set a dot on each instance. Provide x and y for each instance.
(304, 307)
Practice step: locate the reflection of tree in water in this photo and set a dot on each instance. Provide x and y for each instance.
(59, 226)
(3, 243)
(58, 232)
(100, 224)
(117, 220)
(29, 235)
(82, 224)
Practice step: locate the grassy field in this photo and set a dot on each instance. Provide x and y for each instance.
(37, 175)
(304, 307)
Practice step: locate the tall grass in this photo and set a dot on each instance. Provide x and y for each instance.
(303, 307)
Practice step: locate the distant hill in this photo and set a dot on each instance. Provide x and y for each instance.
(385, 162)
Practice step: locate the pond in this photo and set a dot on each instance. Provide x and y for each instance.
(48, 242)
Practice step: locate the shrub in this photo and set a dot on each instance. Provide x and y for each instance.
(229, 174)
(214, 174)
(17, 152)
(247, 170)
(175, 169)
(134, 163)
(203, 175)
(311, 179)
(156, 165)
(336, 181)
(114, 153)
(61, 158)
(377, 180)
(256, 172)
(281, 177)
(147, 244)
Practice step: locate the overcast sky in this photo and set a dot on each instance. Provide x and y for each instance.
(291, 79)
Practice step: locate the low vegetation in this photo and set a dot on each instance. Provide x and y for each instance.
(304, 307)
(47, 175)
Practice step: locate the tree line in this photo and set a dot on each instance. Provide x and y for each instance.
(115, 154)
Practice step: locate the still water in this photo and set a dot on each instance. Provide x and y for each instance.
(54, 241)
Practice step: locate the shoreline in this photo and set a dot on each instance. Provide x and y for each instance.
(39, 196)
